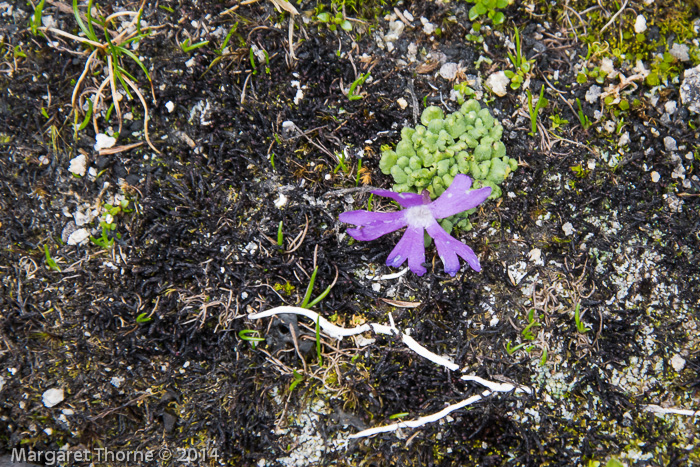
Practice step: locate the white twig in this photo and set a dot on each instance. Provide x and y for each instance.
(425, 353)
(337, 332)
(663, 411)
(422, 420)
(387, 277)
(497, 387)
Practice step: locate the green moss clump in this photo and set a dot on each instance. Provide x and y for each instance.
(432, 154)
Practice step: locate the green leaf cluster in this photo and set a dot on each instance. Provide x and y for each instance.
(522, 66)
(333, 21)
(595, 73)
(488, 8)
(429, 156)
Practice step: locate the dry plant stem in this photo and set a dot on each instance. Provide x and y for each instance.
(619, 12)
(75, 38)
(245, 84)
(297, 242)
(115, 96)
(291, 38)
(145, 110)
(96, 100)
(82, 77)
(118, 149)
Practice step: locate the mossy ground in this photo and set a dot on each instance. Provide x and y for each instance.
(580, 222)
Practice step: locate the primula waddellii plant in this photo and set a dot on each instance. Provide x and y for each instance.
(420, 216)
(431, 155)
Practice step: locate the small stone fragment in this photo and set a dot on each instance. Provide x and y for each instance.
(52, 397)
(624, 139)
(607, 66)
(640, 24)
(593, 94)
(655, 177)
(298, 96)
(670, 143)
(670, 107)
(281, 201)
(402, 103)
(170, 106)
(103, 141)
(678, 363)
(690, 89)
(428, 27)
(535, 255)
(568, 229)
(498, 83)
(78, 237)
(117, 381)
(78, 165)
(449, 70)
(680, 52)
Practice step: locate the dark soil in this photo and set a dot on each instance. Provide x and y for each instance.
(143, 336)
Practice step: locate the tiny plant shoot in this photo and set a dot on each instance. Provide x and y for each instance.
(541, 103)
(356, 84)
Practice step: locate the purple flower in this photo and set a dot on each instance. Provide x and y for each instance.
(421, 215)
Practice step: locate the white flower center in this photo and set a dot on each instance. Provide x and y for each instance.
(419, 216)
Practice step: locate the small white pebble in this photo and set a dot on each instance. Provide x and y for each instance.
(170, 106)
(640, 24)
(116, 381)
(655, 176)
(449, 70)
(671, 107)
(78, 237)
(568, 228)
(535, 254)
(670, 143)
(498, 83)
(103, 141)
(402, 103)
(78, 165)
(281, 201)
(678, 363)
(52, 397)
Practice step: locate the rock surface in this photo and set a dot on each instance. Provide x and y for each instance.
(690, 89)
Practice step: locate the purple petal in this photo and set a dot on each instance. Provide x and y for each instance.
(406, 200)
(411, 247)
(372, 224)
(458, 198)
(449, 248)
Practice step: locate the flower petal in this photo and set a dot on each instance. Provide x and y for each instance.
(406, 200)
(373, 225)
(449, 248)
(411, 247)
(458, 198)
